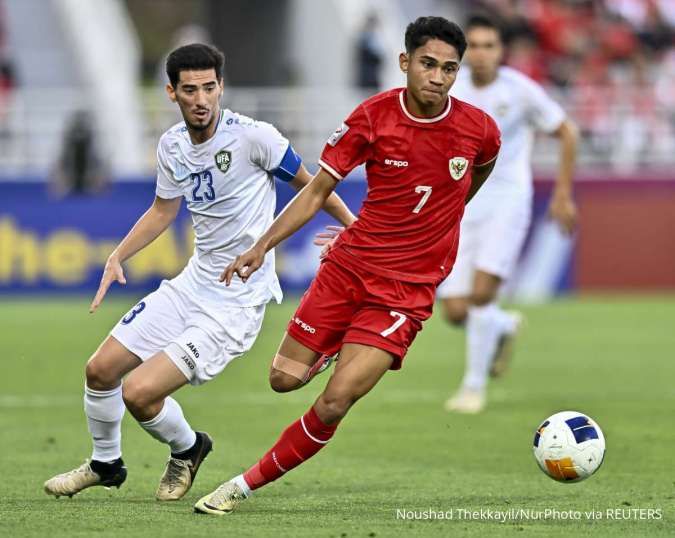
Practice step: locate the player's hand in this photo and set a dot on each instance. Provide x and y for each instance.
(111, 272)
(244, 265)
(563, 210)
(327, 239)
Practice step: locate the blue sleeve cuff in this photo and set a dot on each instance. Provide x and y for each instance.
(289, 165)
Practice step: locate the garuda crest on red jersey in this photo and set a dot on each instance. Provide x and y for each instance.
(458, 166)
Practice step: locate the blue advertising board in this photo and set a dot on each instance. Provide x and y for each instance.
(51, 244)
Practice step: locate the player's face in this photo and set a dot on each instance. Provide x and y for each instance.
(198, 96)
(484, 51)
(431, 71)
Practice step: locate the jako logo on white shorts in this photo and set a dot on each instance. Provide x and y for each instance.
(305, 327)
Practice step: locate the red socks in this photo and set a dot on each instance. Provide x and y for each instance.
(299, 442)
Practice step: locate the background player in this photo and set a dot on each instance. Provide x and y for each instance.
(188, 330)
(425, 155)
(495, 223)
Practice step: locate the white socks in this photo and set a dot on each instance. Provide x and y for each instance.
(170, 427)
(104, 410)
(245, 488)
(484, 327)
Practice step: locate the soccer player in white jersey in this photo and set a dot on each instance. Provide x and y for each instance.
(497, 219)
(187, 331)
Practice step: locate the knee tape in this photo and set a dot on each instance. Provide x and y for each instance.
(291, 367)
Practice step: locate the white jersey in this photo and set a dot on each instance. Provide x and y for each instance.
(230, 192)
(519, 106)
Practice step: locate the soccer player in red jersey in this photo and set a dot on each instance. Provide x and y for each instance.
(426, 155)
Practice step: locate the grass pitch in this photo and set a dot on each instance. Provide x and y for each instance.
(397, 455)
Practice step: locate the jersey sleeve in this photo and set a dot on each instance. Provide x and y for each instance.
(167, 187)
(267, 145)
(491, 142)
(348, 146)
(545, 113)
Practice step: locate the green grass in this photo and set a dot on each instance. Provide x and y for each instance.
(610, 358)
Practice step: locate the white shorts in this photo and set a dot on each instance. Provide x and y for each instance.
(200, 341)
(491, 237)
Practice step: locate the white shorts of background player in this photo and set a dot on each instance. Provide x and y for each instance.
(491, 237)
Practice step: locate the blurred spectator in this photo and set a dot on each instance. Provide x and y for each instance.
(7, 78)
(524, 55)
(7, 85)
(369, 55)
(80, 169)
(665, 82)
(514, 25)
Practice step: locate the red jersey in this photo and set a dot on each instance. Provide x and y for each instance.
(419, 173)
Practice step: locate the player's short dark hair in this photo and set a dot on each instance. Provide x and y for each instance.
(480, 20)
(194, 57)
(425, 28)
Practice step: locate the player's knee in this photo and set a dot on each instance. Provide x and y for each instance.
(136, 397)
(335, 405)
(99, 376)
(282, 382)
(482, 297)
(455, 311)
(456, 316)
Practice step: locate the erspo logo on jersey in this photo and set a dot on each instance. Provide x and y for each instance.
(397, 164)
(338, 134)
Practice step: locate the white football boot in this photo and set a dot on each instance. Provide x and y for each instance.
(321, 365)
(467, 401)
(222, 501)
(84, 477)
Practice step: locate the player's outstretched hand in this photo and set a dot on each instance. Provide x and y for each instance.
(327, 239)
(112, 272)
(244, 265)
(563, 210)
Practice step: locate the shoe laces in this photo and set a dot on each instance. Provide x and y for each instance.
(84, 468)
(226, 492)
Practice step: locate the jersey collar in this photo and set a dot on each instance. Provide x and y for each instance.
(401, 99)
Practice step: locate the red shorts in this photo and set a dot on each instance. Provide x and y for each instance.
(345, 304)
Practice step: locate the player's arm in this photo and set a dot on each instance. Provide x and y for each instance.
(561, 206)
(334, 205)
(154, 221)
(479, 176)
(300, 210)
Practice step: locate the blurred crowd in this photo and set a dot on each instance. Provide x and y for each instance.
(7, 76)
(580, 42)
(613, 61)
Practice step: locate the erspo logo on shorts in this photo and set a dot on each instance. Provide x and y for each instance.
(304, 326)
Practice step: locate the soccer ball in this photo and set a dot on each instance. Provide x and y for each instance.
(569, 446)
